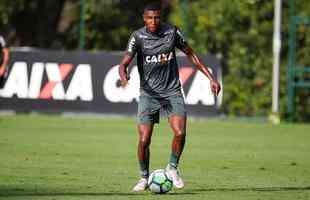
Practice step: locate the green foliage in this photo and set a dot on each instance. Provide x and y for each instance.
(110, 23)
(7, 8)
(240, 33)
(30, 23)
(104, 23)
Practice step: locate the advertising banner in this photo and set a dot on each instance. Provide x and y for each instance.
(59, 81)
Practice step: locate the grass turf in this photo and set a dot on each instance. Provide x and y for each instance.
(50, 157)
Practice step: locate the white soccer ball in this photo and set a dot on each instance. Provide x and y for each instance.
(159, 182)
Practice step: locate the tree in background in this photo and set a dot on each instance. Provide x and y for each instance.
(31, 23)
(55, 24)
(240, 34)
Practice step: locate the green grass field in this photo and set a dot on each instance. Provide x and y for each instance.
(50, 157)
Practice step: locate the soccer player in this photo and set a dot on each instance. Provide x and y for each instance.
(4, 60)
(160, 87)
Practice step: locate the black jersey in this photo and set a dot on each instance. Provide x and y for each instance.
(156, 59)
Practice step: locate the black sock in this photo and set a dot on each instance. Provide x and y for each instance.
(144, 171)
(174, 160)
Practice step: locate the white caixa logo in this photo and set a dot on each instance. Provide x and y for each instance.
(199, 89)
(33, 87)
(160, 58)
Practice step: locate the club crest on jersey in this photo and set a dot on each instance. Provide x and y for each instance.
(160, 58)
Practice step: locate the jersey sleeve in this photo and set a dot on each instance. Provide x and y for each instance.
(2, 42)
(132, 45)
(181, 42)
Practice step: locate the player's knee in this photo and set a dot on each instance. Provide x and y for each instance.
(144, 137)
(144, 142)
(179, 133)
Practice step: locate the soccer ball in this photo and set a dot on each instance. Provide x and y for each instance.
(159, 182)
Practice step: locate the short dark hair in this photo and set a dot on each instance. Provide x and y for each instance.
(152, 6)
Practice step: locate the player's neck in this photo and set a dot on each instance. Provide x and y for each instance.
(157, 32)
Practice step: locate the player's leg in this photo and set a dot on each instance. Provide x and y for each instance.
(177, 120)
(178, 126)
(145, 134)
(148, 115)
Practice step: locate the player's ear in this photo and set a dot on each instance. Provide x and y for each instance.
(143, 14)
(144, 17)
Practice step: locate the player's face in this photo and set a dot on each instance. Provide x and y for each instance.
(152, 20)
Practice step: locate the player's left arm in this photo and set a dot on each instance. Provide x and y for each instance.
(6, 56)
(215, 86)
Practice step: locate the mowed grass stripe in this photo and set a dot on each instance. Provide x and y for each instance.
(51, 157)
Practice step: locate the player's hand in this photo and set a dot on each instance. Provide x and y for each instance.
(123, 81)
(124, 78)
(215, 87)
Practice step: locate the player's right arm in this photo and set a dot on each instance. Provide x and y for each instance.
(122, 70)
(5, 52)
(129, 55)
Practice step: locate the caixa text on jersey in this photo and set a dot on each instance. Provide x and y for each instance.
(160, 58)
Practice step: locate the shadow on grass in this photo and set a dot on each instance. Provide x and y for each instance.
(252, 189)
(24, 192)
(47, 194)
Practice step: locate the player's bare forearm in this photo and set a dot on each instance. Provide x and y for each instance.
(2, 70)
(123, 69)
(215, 86)
(6, 55)
(5, 61)
(195, 60)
